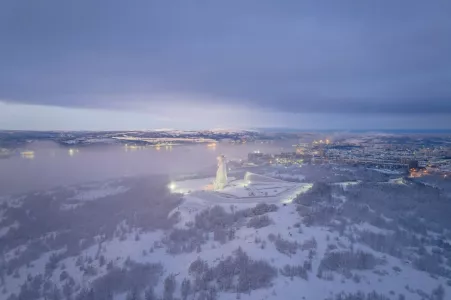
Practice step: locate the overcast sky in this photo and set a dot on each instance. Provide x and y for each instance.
(200, 64)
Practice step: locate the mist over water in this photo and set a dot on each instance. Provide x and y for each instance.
(53, 165)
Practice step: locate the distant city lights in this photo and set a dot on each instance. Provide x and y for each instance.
(72, 152)
(27, 154)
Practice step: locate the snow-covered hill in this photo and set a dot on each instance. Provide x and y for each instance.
(133, 239)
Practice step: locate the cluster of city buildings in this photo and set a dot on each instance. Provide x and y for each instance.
(413, 159)
(285, 158)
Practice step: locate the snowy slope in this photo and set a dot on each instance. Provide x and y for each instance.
(286, 235)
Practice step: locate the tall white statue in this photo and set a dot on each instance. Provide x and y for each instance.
(221, 173)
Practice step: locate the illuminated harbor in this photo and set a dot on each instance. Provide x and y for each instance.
(28, 154)
(73, 152)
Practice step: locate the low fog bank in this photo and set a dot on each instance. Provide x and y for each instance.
(51, 165)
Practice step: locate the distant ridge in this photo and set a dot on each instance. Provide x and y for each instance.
(393, 131)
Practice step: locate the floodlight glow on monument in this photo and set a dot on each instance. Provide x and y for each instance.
(221, 174)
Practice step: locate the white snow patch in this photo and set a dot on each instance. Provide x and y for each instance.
(399, 180)
(4, 230)
(368, 227)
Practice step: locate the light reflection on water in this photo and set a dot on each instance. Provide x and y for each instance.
(45, 164)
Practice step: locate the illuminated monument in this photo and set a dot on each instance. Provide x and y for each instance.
(221, 174)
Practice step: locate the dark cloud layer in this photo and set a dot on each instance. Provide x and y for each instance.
(295, 56)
